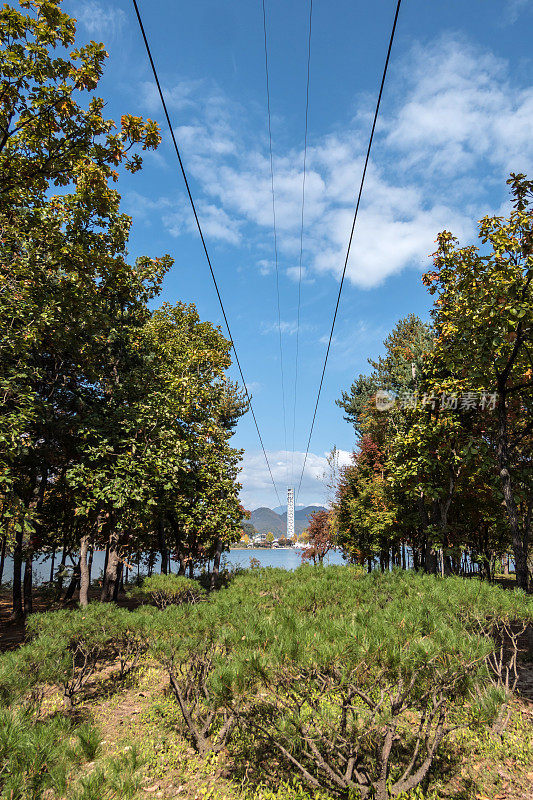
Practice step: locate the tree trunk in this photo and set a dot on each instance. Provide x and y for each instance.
(90, 567)
(182, 558)
(106, 558)
(52, 564)
(18, 612)
(28, 584)
(216, 565)
(505, 564)
(73, 585)
(519, 537)
(3, 558)
(84, 572)
(111, 570)
(151, 562)
(61, 569)
(118, 580)
(34, 507)
(162, 546)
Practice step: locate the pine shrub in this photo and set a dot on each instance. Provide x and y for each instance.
(355, 682)
(165, 590)
(67, 647)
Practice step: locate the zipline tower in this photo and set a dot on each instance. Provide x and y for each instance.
(290, 513)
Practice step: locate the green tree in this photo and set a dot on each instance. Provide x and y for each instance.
(116, 419)
(483, 320)
(374, 520)
(46, 137)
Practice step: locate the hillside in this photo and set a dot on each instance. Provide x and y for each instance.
(265, 519)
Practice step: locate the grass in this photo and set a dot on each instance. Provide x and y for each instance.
(472, 766)
(126, 739)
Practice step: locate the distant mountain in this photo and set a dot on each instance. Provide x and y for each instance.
(265, 519)
(303, 513)
(281, 509)
(248, 529)
(301, 517)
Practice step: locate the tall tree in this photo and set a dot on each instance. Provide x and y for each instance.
(483, 320)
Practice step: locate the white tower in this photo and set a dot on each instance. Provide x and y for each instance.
(290, 513)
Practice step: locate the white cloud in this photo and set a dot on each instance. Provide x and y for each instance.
(295, 274)
(515, 8)
(216, 223)
(461, 109)
(141, 207)
(258, 490)
(177, 97)
(100, 19)
(452, 127)
(352, 339)
(288, 327)
(265, 266)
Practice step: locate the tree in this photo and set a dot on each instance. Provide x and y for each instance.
(249, 529)
(321, 537)
(46, 137)
(365, 512)
(373, 519)
(483, 320)
(116, 419)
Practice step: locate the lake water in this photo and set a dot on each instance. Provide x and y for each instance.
(288, 558)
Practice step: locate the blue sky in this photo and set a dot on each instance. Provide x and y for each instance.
(456, 118)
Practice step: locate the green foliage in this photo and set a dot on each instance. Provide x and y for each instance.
(322, 667)
(187, 641)
(165, 590)
(117, 778)
(447, 467)
(40, 757)
(33, 755)
(116, 417)
(89, 741)
(328, 668)
(371, 518)
(484, 324)
(67, 647)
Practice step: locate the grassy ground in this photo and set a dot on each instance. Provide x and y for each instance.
(139, 717)
(140, 714)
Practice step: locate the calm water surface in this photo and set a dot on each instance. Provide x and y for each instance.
(286, 558)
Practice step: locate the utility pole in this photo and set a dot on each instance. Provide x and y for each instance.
(290, 513)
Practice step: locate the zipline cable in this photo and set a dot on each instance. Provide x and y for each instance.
(391, 40)
(301, 239)
(275, 237)
(193, 206)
